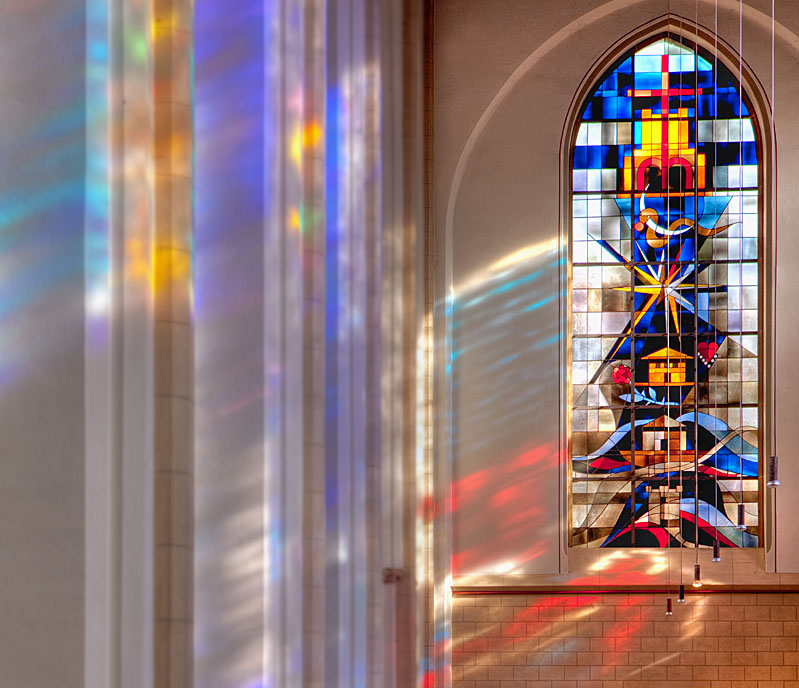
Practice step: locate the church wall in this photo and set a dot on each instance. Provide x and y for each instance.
(718, 640)
(505, 78)
(42, 168)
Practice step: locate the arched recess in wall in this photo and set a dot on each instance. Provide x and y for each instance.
(667, 200)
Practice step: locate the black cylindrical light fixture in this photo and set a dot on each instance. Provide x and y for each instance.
(773, 472)
(697, 576)
(716, 551)
(669, 611)
(681, 598)
(741, 518)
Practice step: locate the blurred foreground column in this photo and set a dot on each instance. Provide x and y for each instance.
(307, 289)
(173, 346)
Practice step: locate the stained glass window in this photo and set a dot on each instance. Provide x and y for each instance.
(665, 306)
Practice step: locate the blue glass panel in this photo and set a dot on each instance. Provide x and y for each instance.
(609, 108)
(647, 80)
(749, 153)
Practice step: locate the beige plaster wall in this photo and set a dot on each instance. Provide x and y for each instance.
(41, 344)
(505, 77)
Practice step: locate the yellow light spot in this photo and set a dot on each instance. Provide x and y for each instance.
(304, 139)
(295, 148)
(312, 135)
(295, 221)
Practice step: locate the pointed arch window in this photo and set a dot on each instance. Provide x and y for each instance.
(665, 305)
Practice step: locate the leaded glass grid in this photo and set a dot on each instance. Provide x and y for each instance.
(665, 306)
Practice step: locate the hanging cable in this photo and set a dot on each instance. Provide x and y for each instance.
(713, 388)
(741, 525)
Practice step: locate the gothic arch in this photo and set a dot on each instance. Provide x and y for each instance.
(606, 439)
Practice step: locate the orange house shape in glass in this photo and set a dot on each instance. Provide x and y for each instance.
(667, 367)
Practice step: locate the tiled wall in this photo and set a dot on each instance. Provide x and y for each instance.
(714, 640)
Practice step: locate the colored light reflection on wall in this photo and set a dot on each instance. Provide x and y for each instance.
(504, 456)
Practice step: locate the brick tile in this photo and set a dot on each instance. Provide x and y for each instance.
(786, 613)
(493, 630)
(463, 658)
(614, 658)
(552, 673)
(498, 673)
(525, 644)
(577, 645)
(488, 658)
(498, 614)
(603, 673)
(506, 644)
(640, 658)
(522, 613)
(564, 629)
(462, 630)
(707, 673)
(539, 658)
(774, 627)
(718, 628)
(576, 673)
(626, 613)
(603, 614)
(514, 600)
(757, 613)
(589, 658)
(629, 644)
(692, 658)
(731, 612)
(476, 613)
(564, 658)
(551, 614)
(769, 658)
(757, 644)
(757, 673)
(538, 628)
(705, 612)
(474, 645)
(666, 658)
(722, 658)
(679, 673)
(784, 673)
(525, 673)
(783, 644)
(514, 658)
(475, 673)
(732, 673)
(589, 629)
(678, 644)
(651, 644)
(744, 658)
